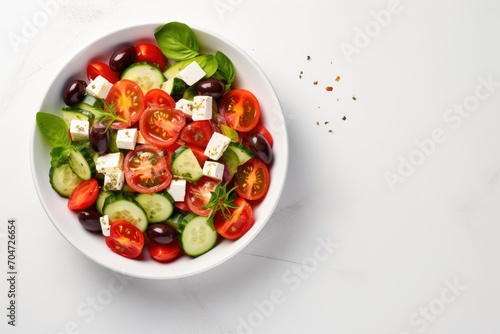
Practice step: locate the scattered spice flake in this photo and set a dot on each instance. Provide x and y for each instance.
(317, 123)
(326, 122)
(338, 99)
(344, 118)
(329, 88)
(315, 83)
(354, 98)
(337, 78)
(308, 57)
(300, 74)
(330, 130)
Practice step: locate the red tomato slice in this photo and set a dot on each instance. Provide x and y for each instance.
(164, 253)
(252, 179)
(128, 101)
(182, 206)
(152, 54)
(161, 126)
(125, 239)
(84, 195)
(146, 169)
(241, 219)
(198, 194)
(197, 133)
(159, 97)
(241, 109)
(97, 68)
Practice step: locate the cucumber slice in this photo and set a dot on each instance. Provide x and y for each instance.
(91, 101)
(158, 206)
(99, 203)
(175, 87)
(185, 165)
(147, 76)
(71, 113)
(81, 162)
(119, 206)
(175, 219)
(244, 154)
(197, 234)
(63, 179)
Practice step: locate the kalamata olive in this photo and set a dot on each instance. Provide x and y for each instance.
(211, 87)
(161, 233)
(260, 147)
(122, 58)
(90, 220)
(74, 92)
(99, 137)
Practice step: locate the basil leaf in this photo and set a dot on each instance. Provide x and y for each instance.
(59, 156)
(177, 41)
(53, 128)
(225, 69)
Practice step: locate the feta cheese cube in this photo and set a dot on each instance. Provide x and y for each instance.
(192, 73)
(99, 87)
(113, 181)
(186, 106)
(178, 190)
(202, 109)
(217, 144)
(79, 130)
(126, 139)
(105, 226)
(213, 169)
(109, 163)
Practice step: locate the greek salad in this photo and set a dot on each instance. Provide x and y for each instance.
(157, 150)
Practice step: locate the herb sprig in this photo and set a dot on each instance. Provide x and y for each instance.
(107, 115)
(221, 200)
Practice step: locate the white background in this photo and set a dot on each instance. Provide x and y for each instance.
(420, 254)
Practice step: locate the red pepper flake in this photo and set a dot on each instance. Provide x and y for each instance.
(337, 78)
(329, 88)
(315, 83)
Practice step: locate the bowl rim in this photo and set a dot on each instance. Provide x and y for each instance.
(242, 242)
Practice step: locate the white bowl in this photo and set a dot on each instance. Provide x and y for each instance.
(249, 76)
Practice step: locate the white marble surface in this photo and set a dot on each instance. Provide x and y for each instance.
(389, 223)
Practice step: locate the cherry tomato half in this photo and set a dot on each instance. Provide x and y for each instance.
(241, 109)
(128, 101)
(198, 194)
(159, 97)
(240, 220)
(252, 179)
(84, 195)
(197, 133)
(152, 54)
(146, 169)
(161, 125)
(164, 253)
(125, 239)
(96, 68)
